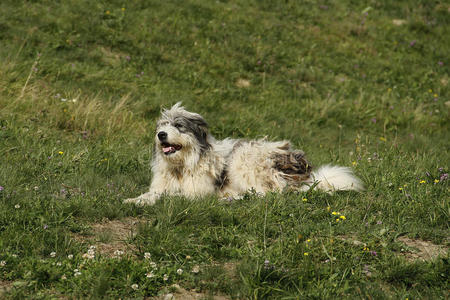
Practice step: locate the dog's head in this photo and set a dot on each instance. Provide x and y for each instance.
(180, 134)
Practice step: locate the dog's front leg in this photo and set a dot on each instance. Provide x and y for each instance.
(149, 198)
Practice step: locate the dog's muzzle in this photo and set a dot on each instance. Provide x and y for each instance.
(167, 148)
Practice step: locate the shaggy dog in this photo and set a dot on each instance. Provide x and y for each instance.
(190, 162)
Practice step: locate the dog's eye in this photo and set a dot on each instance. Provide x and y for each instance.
(178, 126)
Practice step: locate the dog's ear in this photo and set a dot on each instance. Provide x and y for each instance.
(201, 131)
(198, 120)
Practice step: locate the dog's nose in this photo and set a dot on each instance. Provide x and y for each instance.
(162, 135)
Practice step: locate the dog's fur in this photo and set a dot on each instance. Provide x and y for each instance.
(188, 161)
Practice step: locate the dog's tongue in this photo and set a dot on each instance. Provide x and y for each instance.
(168, 149)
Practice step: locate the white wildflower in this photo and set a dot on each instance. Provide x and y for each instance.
(88, 256)
(70, 256)
(134, 286)
(147, 255)
(196, 269)
(52, 254)
(150, 275)
(165, 277)
(17, 206)
(2, 263)
(180, 271)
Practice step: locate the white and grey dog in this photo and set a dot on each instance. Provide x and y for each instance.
(190, 162)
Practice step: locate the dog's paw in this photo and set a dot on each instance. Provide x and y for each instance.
(141, 201)
(231, 198)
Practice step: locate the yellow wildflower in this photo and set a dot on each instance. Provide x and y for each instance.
(334, 213)
(382, 139)
(389, 90)
(354, 163)
(107, 12)
(304, 199)
(430, 91)
(308, 240)
(123, 8)
(436, 181)
(422, 181)
(328, 208)
(343, 217)
(435, 95)
(400, 189)
(60, 153)
(337, 220)
(306, 254)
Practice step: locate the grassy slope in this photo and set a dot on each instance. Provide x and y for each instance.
(340, 80)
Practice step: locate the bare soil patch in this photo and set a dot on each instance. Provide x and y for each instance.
(421, 250)
(111, 236)
(415, 249)
(183, 294)
(5, 286)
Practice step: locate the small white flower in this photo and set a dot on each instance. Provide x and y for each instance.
(92, 247)
(150, 275)
(14, 255)
(52, 254)
(77, 274)
(2, 263)
(180, 271)
(76, 270)
(70, 256)
(59, 264)
(64, 277)
(153, 265)
(118, 253)
(36, 188)
(196, 269)
(17, 206)
(165, 277)
(134, 286)
(147, 255)
(88, 256)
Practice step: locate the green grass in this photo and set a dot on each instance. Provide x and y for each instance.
(82, 83)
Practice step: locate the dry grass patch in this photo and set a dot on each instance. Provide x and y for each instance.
(243, 83)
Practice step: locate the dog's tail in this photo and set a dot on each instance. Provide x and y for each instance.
(335, 178)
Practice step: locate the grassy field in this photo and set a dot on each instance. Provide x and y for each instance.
(356, 83)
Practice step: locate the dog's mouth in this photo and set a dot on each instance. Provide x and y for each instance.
(170, 148)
